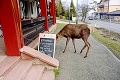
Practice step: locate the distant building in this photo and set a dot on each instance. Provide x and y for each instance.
(109, 9)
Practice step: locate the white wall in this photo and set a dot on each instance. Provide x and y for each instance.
(114, 2)
(34, 15)
(111, 2)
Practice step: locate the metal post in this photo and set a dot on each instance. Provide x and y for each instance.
(109, 25)
(95, 23)
(69, 15)
(77, 12)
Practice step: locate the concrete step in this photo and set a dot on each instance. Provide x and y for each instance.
(7, 64)
(34, 73)
(48, 75)
(19, 70)
(43, 57)
(2, 57)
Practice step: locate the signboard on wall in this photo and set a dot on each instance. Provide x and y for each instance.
(47, 44)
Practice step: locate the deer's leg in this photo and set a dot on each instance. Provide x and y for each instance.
(73, 40)
(68, 39)
(86, 44)
(83, 49)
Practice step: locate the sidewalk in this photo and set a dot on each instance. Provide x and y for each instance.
(100, 64)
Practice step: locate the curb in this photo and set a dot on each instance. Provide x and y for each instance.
(111, 53)
(107, 50)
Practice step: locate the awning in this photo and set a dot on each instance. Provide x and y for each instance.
(114, 13)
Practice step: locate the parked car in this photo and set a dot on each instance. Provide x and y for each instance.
(90, 17)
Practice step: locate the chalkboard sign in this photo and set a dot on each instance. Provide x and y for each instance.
(47, 44)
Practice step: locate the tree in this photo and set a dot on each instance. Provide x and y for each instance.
(84, 12)
(72, 8)
(85, 8)
(59, 9)
(66, 14)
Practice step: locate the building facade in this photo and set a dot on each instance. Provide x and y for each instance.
(109, 9)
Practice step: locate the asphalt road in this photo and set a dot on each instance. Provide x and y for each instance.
(100, 64)
(105, 24)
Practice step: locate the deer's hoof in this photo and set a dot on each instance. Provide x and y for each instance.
(80, 52)
(63, 51)
(75, 52)
(85, 56)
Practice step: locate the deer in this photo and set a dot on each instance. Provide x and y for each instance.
(75, 31)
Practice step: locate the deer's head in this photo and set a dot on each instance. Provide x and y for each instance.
(59, 36)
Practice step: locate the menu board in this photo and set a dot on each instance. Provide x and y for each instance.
(47, 44)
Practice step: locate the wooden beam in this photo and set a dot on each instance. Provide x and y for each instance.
(11, 26)
(43, 6)
(53, 10)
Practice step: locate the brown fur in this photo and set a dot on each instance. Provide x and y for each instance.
(75, 31)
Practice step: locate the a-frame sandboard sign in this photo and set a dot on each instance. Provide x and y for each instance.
(47, 44)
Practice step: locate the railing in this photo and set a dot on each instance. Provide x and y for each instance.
(32, 28)
(50, 21)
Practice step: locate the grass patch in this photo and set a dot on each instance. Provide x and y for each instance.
(57, 71)
(60, 26)
(65, 20)
(62, 19)
(114, 46)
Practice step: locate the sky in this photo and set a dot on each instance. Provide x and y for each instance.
(79, 1)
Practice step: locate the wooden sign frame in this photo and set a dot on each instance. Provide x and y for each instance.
(46, 43)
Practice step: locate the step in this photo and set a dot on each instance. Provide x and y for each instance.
(34, 73)
(48, 75)
(43, 57)
(8, 64)
(2, 57)
(19, 70)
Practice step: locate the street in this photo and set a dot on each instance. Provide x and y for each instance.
(105, 24)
